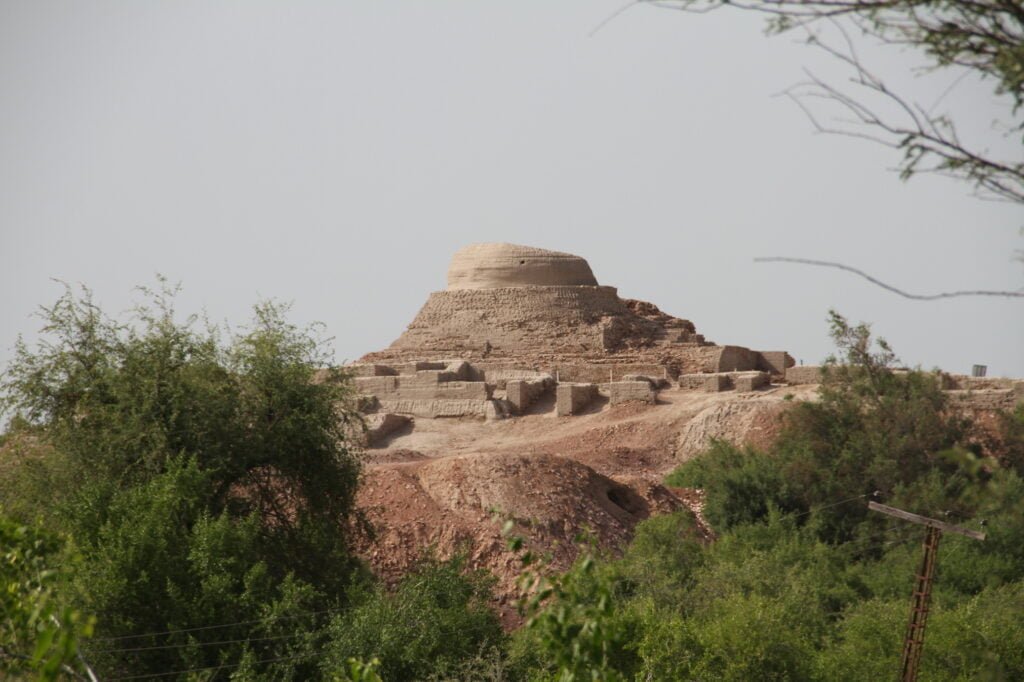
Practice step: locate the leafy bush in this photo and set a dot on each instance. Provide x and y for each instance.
(872, 430)
(435, 620)
(39, 635)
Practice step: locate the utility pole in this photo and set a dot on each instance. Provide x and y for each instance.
(914, 641)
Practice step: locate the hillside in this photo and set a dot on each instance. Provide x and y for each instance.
(507, 397)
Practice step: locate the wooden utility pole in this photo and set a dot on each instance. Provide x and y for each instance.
(914, 641)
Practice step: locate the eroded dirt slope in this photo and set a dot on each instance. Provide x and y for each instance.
(447, 485)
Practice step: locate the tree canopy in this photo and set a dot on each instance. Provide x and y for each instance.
(205, 478)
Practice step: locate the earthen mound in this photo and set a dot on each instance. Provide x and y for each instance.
(459, 503)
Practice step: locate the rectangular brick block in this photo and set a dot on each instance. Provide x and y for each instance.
(624, 391)
(715, 383)
(775, 362)
(517, 393)
(804, 374)
(571, 398)
(745, 383)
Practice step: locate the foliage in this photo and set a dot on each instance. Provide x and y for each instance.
(801, 582)
(874, 430)
(358, 671)
(570, 621)
(436, 619)
(206, 481)
(39, 635)
(196, 477)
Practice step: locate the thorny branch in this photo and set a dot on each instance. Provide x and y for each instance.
(889, 287)
(983, 37)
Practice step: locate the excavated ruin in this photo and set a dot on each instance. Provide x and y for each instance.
(528, 391)
(518, 306)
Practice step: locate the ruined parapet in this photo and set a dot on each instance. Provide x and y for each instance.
(716, 383)
(381, 425)
(691, 382)
(572, 398)
(963, 382)
(804, 374)
(723, 381)
(751, 381)
(522, 393)
(438, 408)
(625, 391)
(500, 377)
(606, 372)
(775, 362)
(424, 385)
(370, 370)
(419, 366)
(654, 382)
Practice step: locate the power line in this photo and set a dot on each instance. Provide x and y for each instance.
(216, 627)
(185, 645)
(858, 545)
(225, 666)
(829, 506)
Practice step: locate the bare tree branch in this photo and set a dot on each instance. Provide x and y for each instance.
(984, 37)
(888, 287)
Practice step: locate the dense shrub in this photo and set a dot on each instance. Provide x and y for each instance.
(39, 636)
(435, 620)
(206, 479)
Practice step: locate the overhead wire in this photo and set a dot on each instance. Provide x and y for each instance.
(225, 666)
(295, 616)
(907, 536)
(186, 645)
(827, 506)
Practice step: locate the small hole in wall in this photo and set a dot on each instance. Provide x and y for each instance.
(522, 262)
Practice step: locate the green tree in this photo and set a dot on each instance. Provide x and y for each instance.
(206, 478)
(872, 430)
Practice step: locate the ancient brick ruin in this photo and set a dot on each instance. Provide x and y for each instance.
(517, 323)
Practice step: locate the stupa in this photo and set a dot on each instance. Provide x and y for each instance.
(514, 320)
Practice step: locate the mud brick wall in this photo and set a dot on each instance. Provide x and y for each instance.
(624, 391)
(571, 398)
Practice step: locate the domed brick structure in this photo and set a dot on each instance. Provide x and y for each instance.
(496, 266)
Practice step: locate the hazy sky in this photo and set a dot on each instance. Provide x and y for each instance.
(335, 154)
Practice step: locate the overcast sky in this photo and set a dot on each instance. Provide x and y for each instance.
(336, 154)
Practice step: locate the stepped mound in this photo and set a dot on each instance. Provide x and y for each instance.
(540, 308)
